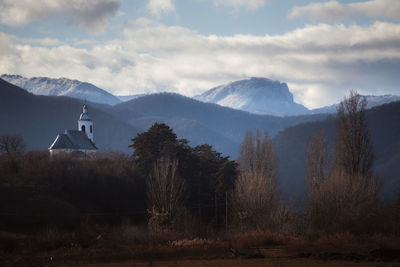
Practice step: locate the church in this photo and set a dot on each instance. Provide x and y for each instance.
(78, 142)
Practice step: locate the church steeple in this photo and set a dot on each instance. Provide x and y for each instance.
(85, 124)
(85, 108)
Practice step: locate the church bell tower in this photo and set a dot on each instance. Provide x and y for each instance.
(85, 123)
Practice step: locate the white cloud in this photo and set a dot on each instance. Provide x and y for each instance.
(41, 41)
(157, 7)
(90, 14)
(333, 10)
(237, 4)
(320, 63)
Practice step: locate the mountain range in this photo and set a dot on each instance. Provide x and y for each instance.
(254, 95)
(124, 98)
(40, 118)
(372, 101)
(62, 87)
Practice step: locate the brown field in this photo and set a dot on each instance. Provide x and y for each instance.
(241, 263)
(248, 249)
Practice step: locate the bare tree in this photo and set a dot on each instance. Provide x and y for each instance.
(354, 151)
(268, 161)
(255, 195)
(11, 144)
(348, 199)
(317, 160)
(344, 203)
(255, 200)
(247, 152)
(164, 192)
(257, 156)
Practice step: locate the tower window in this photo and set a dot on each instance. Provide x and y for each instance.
(83, 128)
(91, 129)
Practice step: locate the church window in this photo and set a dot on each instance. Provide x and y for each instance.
(91, 129)
(83, 128)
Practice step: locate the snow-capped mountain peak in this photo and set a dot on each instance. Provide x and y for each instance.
(62, 87)
(372, 101)
(255, 95)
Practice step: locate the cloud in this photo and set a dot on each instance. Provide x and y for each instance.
(333, 10)
(320, 63)
(41, 41)
(93, 15)
(237, 4)
(157, 7)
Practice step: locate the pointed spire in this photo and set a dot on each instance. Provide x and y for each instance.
(85, 108)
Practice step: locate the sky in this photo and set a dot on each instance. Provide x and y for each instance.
(321, 49)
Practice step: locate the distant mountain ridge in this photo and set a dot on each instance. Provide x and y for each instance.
(199, 122)
(255, 95)
(260, 96)
(62, 87)
(372, 101)
(268, 97)
(125, 98)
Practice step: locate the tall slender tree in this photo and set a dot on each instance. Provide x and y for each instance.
(164, 192)
(246, 158)
(348, 198)
(256, 198)
(317, 160)
(354, 150)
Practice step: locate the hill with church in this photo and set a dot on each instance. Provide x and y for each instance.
(39, 119)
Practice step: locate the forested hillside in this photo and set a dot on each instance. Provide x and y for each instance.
(384, 125)
(221, 127)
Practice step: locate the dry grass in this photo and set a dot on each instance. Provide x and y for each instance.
(391, 242)
(198, 243)
(51, 238)
(131, 243)
(10, 242)
(128, 242)
(163, 237)
(129, 234)
(258, 238)
(335, 240)
(239, 263)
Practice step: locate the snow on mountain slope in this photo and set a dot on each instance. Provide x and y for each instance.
(372, 101)
(255, 95)
(125, 98)
(62, 87)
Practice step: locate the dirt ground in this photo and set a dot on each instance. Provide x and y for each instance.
(60, 249)
(241, 263)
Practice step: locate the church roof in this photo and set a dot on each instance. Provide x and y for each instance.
(84, 117)
(73, 139)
